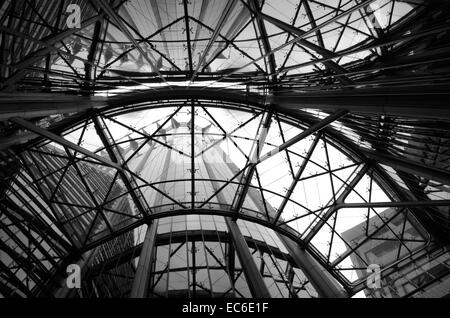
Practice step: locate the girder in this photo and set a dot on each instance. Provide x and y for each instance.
(99, 138)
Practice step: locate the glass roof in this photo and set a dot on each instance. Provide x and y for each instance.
(229, 43)
(197, 157)
(98, 178)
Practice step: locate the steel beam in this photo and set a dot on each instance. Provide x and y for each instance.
(105, 6)
(409, 166)
(9, 84)
(188, 36)
(318, 49)
(223, 18)
(348, 189)
(255, 6)
(254, 278)
(400, 204)
(100, 131)
(413, 102)
(41, 105)
(38, 225)
(325, 285)
(257, 147)
(380, 43)
(21, 226)
(15, 281)
(424, 2)
(236, 96)
(297, 39)
(75, 57)
(296, 178)
(180, 237)
(304, 134)
(50, 136)
(144, 267)
(88, 67)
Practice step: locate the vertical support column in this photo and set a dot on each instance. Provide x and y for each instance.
(143, 271)
(254, 278)
(321, 280)
(231, 265)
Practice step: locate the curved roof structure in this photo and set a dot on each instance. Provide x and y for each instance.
(207, 148)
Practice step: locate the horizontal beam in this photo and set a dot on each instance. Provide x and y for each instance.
(180, 237)
(413, 102)
(41, 105)
(401, 204)
(424, 2)
(234, 96)
(409, 166)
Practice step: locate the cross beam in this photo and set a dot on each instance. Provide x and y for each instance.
(223, 18)
(409, 166)
(122, 27)
(307, 132)
(297, 39)
(401, 204)
(321, 50)
(322, 220)
(9, 84)
(296, 178)
(63, 142)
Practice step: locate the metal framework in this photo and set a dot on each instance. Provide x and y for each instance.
(327, 124)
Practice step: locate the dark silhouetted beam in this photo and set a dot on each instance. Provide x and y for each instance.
(412, 102)
(41, 105)
(409, 166)
(318, 49)
(9, 84)
(64, 142)
(144, 268)
(255, 281)
(304, 134)
(322, 281)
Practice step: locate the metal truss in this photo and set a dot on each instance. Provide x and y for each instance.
(369, 116)
(78, 158)
(201, 239)
(95, 35)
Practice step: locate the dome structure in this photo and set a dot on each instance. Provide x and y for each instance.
(224, 149)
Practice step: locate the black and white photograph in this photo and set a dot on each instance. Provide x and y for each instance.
(220, 154)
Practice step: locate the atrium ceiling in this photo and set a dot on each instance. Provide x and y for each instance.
(310, 118)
